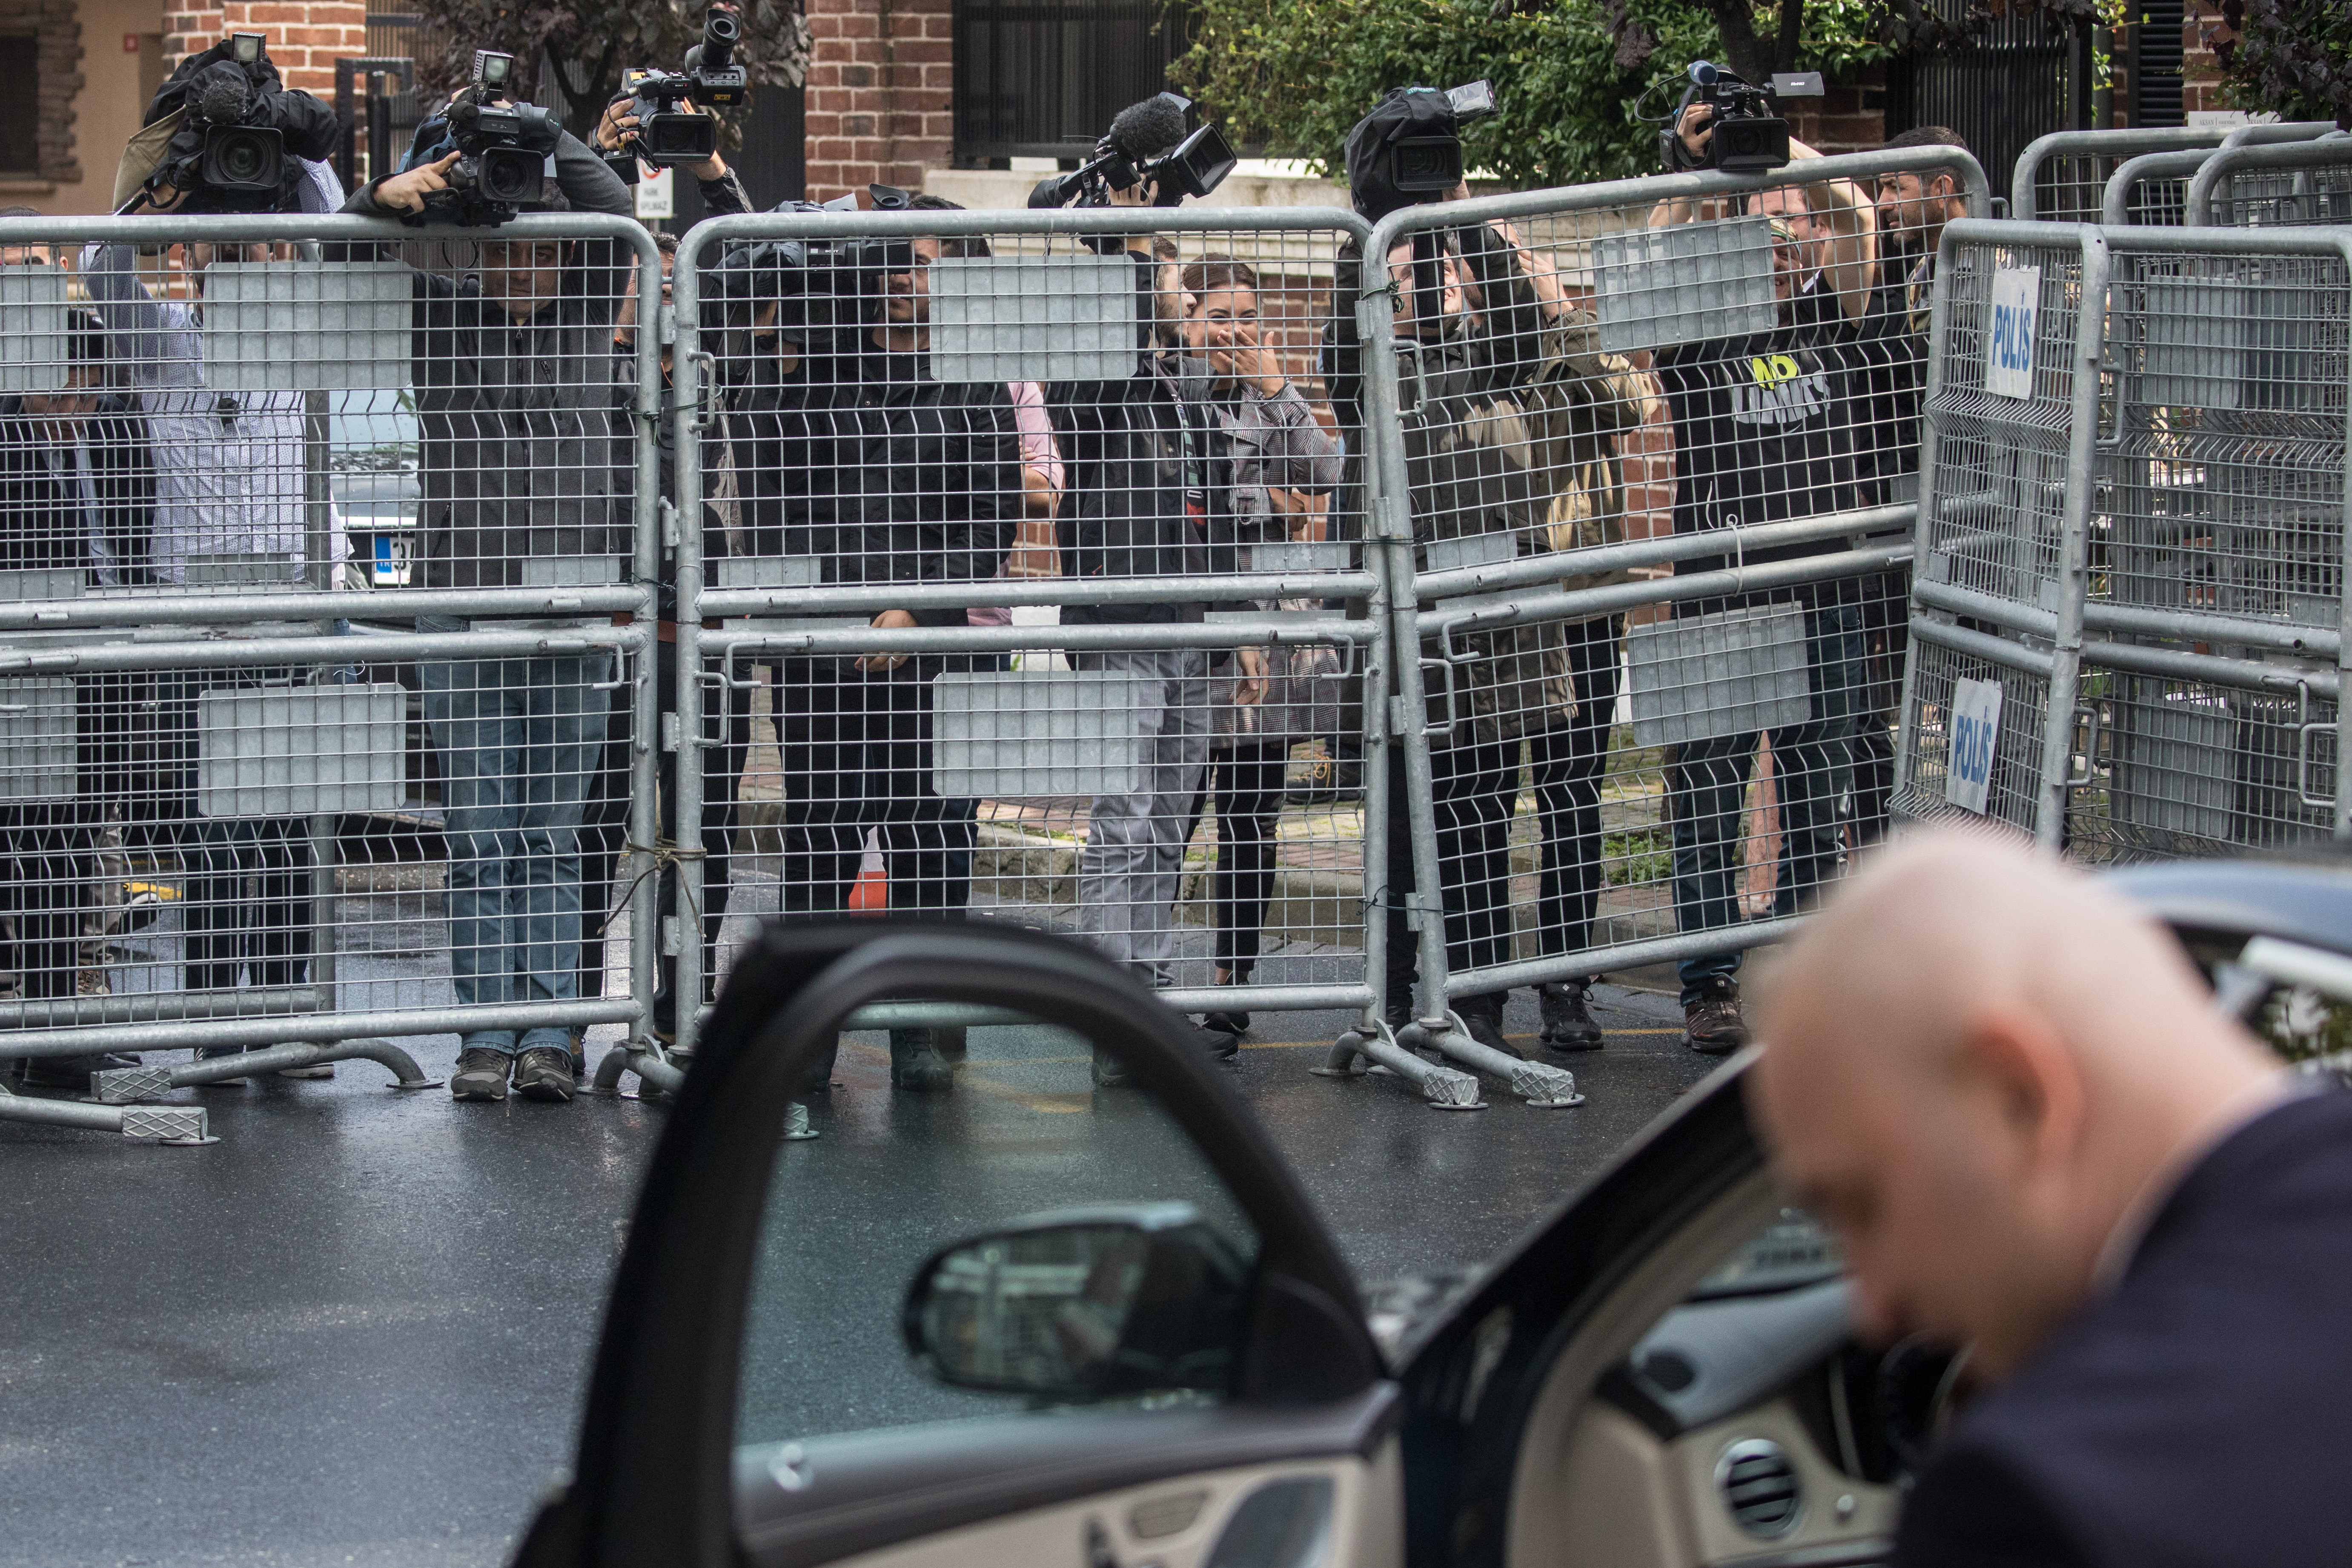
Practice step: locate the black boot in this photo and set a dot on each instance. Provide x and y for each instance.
(1567, 1027)
(1483, 1016)
(915, 1066)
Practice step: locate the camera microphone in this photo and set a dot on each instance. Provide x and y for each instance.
(223, 99)
(1141, 132)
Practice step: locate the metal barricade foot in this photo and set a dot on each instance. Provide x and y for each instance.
(1541, 1085)
(182, 1126)
(656, 1073)
(125, 1086)
(1442, 1087)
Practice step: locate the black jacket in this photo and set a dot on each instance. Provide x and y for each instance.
(906, 479)
(1123, 511)
(526, 437)
(2200, 1413)
(41, 521)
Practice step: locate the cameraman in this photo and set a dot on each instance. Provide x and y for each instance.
(526, 454)
(230, 479)
(1766, 430)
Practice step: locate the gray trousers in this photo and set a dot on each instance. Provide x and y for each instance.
(1133, 865)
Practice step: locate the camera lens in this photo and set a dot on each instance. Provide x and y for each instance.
(511, 175)
(243, 158)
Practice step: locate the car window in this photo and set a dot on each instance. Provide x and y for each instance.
(894, 1176)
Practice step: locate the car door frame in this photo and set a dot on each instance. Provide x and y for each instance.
(653, 1474)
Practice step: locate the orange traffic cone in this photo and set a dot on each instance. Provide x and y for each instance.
(870, 894)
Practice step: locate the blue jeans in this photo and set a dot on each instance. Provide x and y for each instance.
(1812, 771)
(519, 742)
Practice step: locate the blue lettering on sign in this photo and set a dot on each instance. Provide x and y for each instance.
(2012, 337)
(1972, 742)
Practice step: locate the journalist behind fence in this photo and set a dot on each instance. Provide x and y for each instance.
(1765, 431)
(526, 456)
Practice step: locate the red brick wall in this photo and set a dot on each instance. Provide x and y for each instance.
(878, 86)
(305, 37)
(1847, 118)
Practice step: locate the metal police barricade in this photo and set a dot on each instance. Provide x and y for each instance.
(322, 628)
(1646, 540)
(2217, 598)
(2008, 468)
(2062, 177)
(1015, 576)
(2298, 184)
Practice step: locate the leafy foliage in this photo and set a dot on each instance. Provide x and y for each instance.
(2292, 56)
(1295, 74)
(588, 43)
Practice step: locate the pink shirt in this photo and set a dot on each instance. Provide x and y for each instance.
(1038, 452)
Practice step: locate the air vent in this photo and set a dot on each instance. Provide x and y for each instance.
(1759, 1487)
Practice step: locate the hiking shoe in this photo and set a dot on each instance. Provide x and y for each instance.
(1483, 1016)
(481, 1074)
(1567, 1027)
(544, 1072)
(1712, 1024)
(916, 1065)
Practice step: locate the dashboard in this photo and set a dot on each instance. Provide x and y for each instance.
(1747, 1427)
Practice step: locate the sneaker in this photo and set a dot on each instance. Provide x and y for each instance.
(543, 1072)
(481, 1074)
(1712, 1024)
(213, 1054)
(1483, 1016)
(915, 1066)
(1226, 1023)
(90, 980)
(1567, 1027)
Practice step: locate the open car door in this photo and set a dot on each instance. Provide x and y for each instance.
(1029, 1321)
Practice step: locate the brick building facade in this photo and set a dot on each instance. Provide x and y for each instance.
(305, 37)
(879, 82)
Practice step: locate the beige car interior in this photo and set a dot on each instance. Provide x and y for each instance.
(1597, 1488)
(1347, 1508)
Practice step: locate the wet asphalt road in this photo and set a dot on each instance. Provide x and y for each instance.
(355, 1331)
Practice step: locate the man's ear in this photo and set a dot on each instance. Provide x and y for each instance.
(2032, 1082)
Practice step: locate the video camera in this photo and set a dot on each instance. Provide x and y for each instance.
(240, 137)
(1749, 137)
(1146, 142)
(669, 136)
(825, 290)
(1408, 150)
(502, 149)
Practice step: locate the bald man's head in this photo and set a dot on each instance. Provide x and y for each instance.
(1978, 1060)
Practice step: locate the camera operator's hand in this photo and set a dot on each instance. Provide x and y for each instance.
(618, 128)
(1142, 194)
(1696, 128)
(406, 192)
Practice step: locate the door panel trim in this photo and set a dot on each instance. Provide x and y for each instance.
(868, 1490)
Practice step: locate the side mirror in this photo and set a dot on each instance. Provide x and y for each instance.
(1082, 1305)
